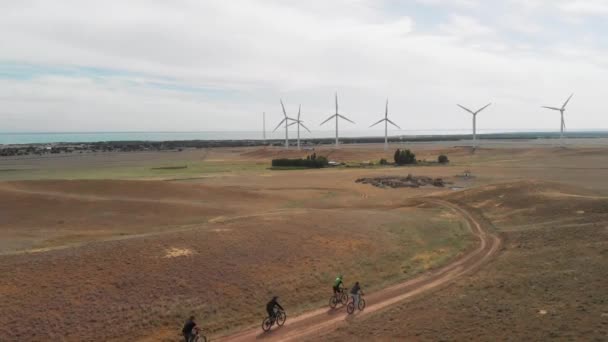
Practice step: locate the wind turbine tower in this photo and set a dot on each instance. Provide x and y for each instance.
(337, 116)
(475, 121)
(563, 123)
(386, 122)
(285, 120)
(264, 126)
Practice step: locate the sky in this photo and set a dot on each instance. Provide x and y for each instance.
(181, 65)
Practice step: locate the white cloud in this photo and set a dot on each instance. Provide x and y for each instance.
(464, 27)
(586, 7)
(452, 3)
(216, 65)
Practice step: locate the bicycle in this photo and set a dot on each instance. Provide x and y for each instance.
(198, 337)
(350, 307)
(279, 318)
(340, 297)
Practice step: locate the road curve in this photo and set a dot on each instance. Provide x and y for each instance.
(321, 321)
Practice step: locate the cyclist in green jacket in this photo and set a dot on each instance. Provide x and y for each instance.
(337, 284)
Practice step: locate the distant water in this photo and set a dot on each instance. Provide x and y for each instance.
(56, 137)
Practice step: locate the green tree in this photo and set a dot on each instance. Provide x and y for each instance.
(403, 157)
(396, 156)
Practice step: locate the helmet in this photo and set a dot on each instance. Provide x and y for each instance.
(340, 276)
(275, 297)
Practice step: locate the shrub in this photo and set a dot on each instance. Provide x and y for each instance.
(443, 159)
(313, 161)
(403, 157)
(383, 161)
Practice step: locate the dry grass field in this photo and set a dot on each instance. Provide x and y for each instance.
(548, 283)
(116, 247)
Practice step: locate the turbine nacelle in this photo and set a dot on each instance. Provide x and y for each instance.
(298, 121)
(474, 112)
(563, 108)
(562, 126)
(386, 121)
(337, 116)
(282, 121)
(286, 120)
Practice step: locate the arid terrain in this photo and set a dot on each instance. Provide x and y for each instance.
(123, 246)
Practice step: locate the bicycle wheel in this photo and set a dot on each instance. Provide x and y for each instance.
(361, 304)
(266, 324)
(350, 308)
(281, 318)
(344, 298)
(333, 301)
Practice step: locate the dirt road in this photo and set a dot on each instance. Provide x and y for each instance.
(320, 321)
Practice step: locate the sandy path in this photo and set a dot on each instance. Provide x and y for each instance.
(321, 321)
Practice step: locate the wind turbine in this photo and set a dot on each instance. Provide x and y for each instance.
(475, 120)
(337, 115)
(386, 122)
(299, 123)
(563, 123)
(286, 121)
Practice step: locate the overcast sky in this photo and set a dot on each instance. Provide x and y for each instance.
(217, 65)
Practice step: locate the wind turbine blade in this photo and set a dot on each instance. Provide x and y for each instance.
(467, 109)
(379, 121)
(484, 107)
(568, 100)
(329, 118)
(293, 123)
(301, 124)
(386, 110)
(336, 102)
(558, 109)
(299, 108)
(284, 113)
(345, 118)
(279, 125)
(392, 123)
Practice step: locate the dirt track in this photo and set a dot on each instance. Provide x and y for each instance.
(320, 321)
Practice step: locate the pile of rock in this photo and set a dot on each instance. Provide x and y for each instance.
(402, 182)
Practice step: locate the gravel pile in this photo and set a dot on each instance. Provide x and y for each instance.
(402, 182)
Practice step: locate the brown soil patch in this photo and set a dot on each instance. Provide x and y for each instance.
(41, 214)
(174, 252)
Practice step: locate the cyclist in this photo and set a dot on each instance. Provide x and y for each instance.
(270, 307)
(337, 284)
(356, 293)
(188, 329)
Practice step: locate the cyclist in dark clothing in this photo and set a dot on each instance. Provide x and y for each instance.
(188, 329)
(355, 293)
(271, 306)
